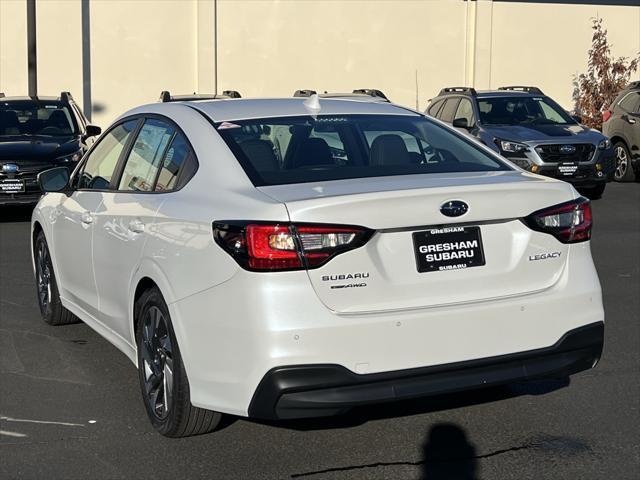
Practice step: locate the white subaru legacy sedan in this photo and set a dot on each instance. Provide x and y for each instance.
(296, 257)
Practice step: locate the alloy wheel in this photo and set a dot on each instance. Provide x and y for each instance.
(622, 162)
(157, 358)
(43, 274)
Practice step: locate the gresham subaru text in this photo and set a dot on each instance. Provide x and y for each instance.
(296, 257)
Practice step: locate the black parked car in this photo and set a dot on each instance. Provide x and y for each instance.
(621, 123)
(37, 133)
(532, 131)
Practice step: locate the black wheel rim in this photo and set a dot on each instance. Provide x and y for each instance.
(43, 274)
(622, 162)
(157, 363)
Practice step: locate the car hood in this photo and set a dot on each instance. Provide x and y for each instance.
(545, 133)
(23, 149)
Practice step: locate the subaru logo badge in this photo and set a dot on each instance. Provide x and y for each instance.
(567, 149)
(10, 168)
(454, 208)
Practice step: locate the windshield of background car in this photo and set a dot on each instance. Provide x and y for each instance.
(31, 117)
(521, 111)
(279, 151)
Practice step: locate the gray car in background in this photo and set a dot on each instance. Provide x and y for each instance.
(621, 123)
(531, 130)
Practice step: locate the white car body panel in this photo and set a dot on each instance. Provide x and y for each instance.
(234, 325)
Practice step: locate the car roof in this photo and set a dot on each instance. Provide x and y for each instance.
(250, 108)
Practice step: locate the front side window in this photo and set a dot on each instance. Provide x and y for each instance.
(97, 171)
(144, 160)
(465, 110)
(522, 111)
(36, 117)
(278, 151)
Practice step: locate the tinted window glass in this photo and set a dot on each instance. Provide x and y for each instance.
(97, 171)
(370, 146)
(522, 111)
(174, 158)
(143, 162)
(631, 102)
(446, 115)
(465, 110)
(433, 109)
(30, 117)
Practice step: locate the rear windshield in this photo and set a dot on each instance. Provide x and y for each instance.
(36, 117)
(522, 111)
(279, 151)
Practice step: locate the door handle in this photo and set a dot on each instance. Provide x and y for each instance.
(86, 218)
(136, 226)
(631, 120)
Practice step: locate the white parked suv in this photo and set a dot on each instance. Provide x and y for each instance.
(296, 257)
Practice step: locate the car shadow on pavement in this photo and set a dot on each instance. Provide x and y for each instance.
(15, 214)
(361, 415)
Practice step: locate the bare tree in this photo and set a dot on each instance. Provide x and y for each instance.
(605, 77)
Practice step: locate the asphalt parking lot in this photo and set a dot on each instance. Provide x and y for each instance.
(70, 405)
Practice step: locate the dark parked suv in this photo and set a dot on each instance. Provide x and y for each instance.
(621, 123)
(532, 131)
(37, 133)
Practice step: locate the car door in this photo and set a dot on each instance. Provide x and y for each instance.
(74, 220)
(630, 121)
(127, 214)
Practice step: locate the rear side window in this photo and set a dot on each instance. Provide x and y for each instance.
(435, 108)
(143, 163)
(446, 115)
(175, 157)
(631, 102)
(97, 171)
(278, 151)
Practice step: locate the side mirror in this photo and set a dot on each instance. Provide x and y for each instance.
(577, 118)
(93, 131)
(54, 180)
(461, 123)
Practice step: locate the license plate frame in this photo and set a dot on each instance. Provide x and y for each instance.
(448, 239)
(17, 186)
(568, 169)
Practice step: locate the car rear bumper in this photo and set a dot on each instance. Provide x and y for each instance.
(301, 391)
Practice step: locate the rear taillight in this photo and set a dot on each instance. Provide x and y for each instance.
(569, 222)
(260, 246)
(606, 115)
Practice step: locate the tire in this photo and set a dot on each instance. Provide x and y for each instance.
(594, 193)
(163, 380)
(47, 288)
(624, 171)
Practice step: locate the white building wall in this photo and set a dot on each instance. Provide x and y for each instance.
(271, 47)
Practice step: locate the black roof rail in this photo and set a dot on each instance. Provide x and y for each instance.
(463, 90)
(231, 94)
(522, 88)
(635, 84)
(304, 93)
(165, 96)
(372, 92)
(66, 96)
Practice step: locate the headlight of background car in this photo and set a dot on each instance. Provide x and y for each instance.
(507, 146)
(73, 157)
(604, 144)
